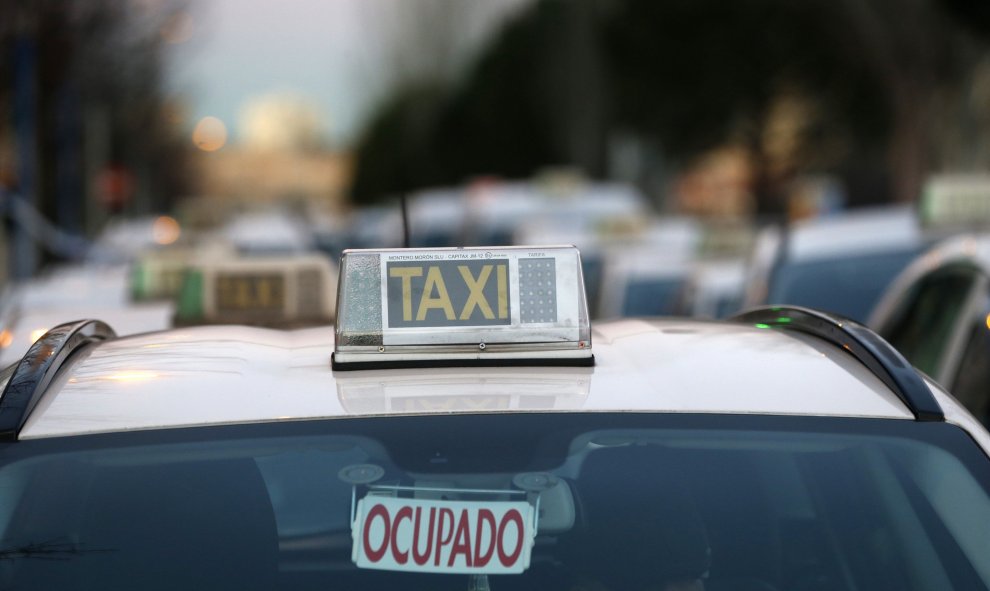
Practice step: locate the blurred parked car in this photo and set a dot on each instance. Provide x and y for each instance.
(714, 289)
(375, 227)
(840, 264)
(937, 313)
(273, 232)
(642, 282)
(123, 240)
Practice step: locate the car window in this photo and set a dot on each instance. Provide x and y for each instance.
(849, 285)
(922, 326)
(617, 502)
(972, 380)
(651, 297)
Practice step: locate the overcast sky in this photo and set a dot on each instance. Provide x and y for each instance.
(329, 52)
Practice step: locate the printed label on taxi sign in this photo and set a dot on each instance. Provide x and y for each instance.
(440, 536)
(250, 292)
(448, 293)
(499, 291)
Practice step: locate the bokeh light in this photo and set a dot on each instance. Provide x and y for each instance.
(38, 333)
(165, 230)
(210, 134)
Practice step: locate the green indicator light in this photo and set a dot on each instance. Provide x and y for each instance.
(762, 325)
(783, 320)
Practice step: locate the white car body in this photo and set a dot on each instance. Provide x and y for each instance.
(222, 375)
(639, 453)
(969, 254)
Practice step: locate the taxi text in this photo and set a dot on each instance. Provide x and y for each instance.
(448, 293)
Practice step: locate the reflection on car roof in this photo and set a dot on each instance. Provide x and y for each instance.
(219, 375)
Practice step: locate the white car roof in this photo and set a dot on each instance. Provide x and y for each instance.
(974, 248)
(123, 239)
(230, 375)
(27, 326)
(857, 232)
(73, 285)
(268, 230)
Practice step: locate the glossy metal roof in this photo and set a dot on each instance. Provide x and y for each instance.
(225, 375)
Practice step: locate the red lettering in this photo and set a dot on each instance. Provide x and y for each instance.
(403, 513)
(446, 516)
(418, 558)
(508, 559)
(484, 516)
(376, 511)
(470, 536)
(462, 540)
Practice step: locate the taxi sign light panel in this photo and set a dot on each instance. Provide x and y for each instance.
(441, 536)
(956, 199)
(462, 302)
(239, 292)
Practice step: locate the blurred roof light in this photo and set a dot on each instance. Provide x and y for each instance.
(165, 230)
(210, 134)
(6, 338)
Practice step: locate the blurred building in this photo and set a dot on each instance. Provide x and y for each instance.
(82, 132)
(282, 122)
(241, 174)
(280, 154)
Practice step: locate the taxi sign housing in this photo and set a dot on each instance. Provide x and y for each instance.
(462, 306)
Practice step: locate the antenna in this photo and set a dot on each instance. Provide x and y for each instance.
(405, 221)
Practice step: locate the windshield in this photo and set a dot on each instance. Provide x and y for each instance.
(592, 501)
(848, 285)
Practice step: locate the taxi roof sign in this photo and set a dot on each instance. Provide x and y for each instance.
(522, 305)
(956, 200)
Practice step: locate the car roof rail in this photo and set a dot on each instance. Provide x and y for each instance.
(34, 372)
(879, 356)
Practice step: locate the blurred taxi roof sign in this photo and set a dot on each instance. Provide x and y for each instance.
(284, 291)
(446, 307)
(960, 200)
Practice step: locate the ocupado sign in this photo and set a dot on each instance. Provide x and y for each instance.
(440, 536)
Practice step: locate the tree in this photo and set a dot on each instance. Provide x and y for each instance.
(519, 107)
(840, 87)
(82, 92)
